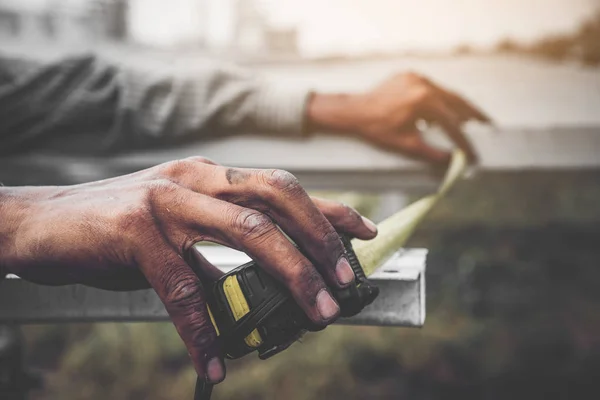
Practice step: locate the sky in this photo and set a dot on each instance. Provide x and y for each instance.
(357, 26)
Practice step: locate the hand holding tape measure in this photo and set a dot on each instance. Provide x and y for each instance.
(251, 311)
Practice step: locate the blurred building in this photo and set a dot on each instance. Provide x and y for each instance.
(231, 26)
(160, 23)
(236, 26)
(64, 20)
(254, 35)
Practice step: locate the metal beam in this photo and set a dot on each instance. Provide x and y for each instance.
(329, 163)
(401, 301)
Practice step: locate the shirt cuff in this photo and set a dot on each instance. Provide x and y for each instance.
(281, 109)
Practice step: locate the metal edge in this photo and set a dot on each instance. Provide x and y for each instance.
(400, 303)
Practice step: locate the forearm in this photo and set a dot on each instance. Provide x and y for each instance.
(210, 101)
(67, 106)
(85, 105)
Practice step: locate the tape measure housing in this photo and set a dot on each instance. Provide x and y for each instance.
(252, 311)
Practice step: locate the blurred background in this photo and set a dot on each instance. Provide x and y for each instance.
(513, 275)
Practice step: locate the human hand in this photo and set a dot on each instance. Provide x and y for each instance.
(387, 116)
(138, 231)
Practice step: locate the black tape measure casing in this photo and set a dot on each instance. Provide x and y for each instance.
(252, 311)
(273, 320)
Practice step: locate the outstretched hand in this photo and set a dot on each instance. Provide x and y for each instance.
(387, 116)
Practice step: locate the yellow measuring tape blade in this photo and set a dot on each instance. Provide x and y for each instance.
(239, 307)
(395, 231)
(212, 319)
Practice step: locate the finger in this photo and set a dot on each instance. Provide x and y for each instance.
(465, 108)
(181, 293)
(450, 123)
(412, 145)
(346, 219)
(255, 234)
(203, 268)
(279, 195)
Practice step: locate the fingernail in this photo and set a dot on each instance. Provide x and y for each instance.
(326, 305)
(343, 271)
(215, 370)
(370, 224)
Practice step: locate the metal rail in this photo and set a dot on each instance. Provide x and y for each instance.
(401, 301)
(350, 166)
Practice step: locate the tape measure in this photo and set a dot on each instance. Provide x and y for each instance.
(251, 311)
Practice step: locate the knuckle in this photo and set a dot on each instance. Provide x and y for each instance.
(345, 210)
(202, 334)
(156, 189)
(176, 168)
(139, 214)
(282, 180)
(345, 214)
(200, 159)
(330, 238)
(331, 244)
(183, 293)
(412, 144)
(412, 76)
(422, 93)
(135, 217)
(351, 216)
(305, 280)
(252, 224)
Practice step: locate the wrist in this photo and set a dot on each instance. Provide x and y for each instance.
(15, 204)
(340, 113)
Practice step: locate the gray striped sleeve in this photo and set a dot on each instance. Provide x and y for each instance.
(87, 105)
(211, 100)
